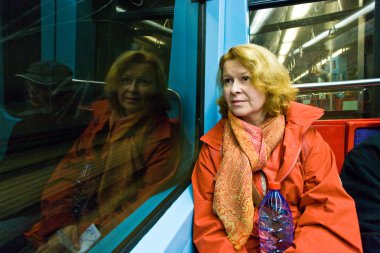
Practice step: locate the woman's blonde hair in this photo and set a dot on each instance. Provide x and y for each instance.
(267, 75)
(123, 62)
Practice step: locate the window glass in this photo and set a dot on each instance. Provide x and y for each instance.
(338, 102)
(324, 41)
(91, 136)
(320, 41)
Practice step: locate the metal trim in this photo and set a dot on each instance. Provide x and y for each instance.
(362, 82)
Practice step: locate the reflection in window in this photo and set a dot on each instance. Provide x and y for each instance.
(321, 41)
(110, 161)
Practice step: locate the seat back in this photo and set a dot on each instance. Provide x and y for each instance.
(343, 134)
(175, 103)
(359, 130)
(334, 133)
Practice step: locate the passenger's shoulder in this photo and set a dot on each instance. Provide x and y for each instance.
(164, 128)
(303, 115)
(214, 137)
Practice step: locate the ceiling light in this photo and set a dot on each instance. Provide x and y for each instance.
(281, 59)
(120, 9)
(300, 76)
(300, 11)
(259, 20)
(285, 47)
(365, 10)
(290, 34)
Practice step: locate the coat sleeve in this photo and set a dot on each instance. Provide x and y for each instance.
(208, 232)
(57, 197)
(328, 220)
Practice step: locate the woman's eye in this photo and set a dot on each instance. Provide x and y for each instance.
(227, 81)
(144, 81)
(125, 80)
(246, 78)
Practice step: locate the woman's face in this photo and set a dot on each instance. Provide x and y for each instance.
(137, 87)
(243, 99)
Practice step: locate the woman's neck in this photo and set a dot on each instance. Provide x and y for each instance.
(256, 120)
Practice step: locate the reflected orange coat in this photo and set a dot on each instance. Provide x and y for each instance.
(324, 214)
(160, 158)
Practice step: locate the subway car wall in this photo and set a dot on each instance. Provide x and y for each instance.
(83, 114)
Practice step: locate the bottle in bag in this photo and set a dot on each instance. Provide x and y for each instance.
(275, 221)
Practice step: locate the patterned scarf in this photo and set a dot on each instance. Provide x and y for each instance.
(123, 156)
(245, 150)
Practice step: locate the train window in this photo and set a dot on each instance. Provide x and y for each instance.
(93, 143)
(319, 42)
(338, 102)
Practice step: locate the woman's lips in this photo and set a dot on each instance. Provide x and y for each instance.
(235, 102)
(131, 99)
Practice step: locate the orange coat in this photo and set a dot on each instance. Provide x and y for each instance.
(157, 165)
(324, 215)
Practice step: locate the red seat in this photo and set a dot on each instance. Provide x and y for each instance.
(354, 125)
(340, 134)
(334, 133)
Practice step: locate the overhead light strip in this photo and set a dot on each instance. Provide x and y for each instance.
(259, 20)
(365, 10)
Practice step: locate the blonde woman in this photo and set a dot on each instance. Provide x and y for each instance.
(264, 136)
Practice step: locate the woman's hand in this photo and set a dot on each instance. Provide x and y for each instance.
(64, 240)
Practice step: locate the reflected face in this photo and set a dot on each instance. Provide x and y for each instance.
(243, 99)
(137, 87)
(38, 94)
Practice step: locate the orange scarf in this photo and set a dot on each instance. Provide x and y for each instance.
(123, 156)
(245, 150)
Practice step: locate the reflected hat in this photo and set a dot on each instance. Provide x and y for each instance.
(47, 73)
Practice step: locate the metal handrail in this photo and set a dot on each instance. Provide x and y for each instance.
(87, 81)
(172, 93)
(362, 82)
(351, 83)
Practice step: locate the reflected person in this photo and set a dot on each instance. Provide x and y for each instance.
(128, 152)
(264, 136)
(51, 111)
(47, 129)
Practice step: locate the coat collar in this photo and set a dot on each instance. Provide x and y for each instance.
(299, 118)
(303, 115)
(102, 112)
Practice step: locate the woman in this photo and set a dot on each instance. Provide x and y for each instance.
(264, 136)
(128, 152)
(49, 120)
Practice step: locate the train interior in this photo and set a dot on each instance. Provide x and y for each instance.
(330, 48)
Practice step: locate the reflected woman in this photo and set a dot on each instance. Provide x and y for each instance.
(128, 152)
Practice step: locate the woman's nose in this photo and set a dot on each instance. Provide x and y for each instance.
(132, 86)
(235, 88)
